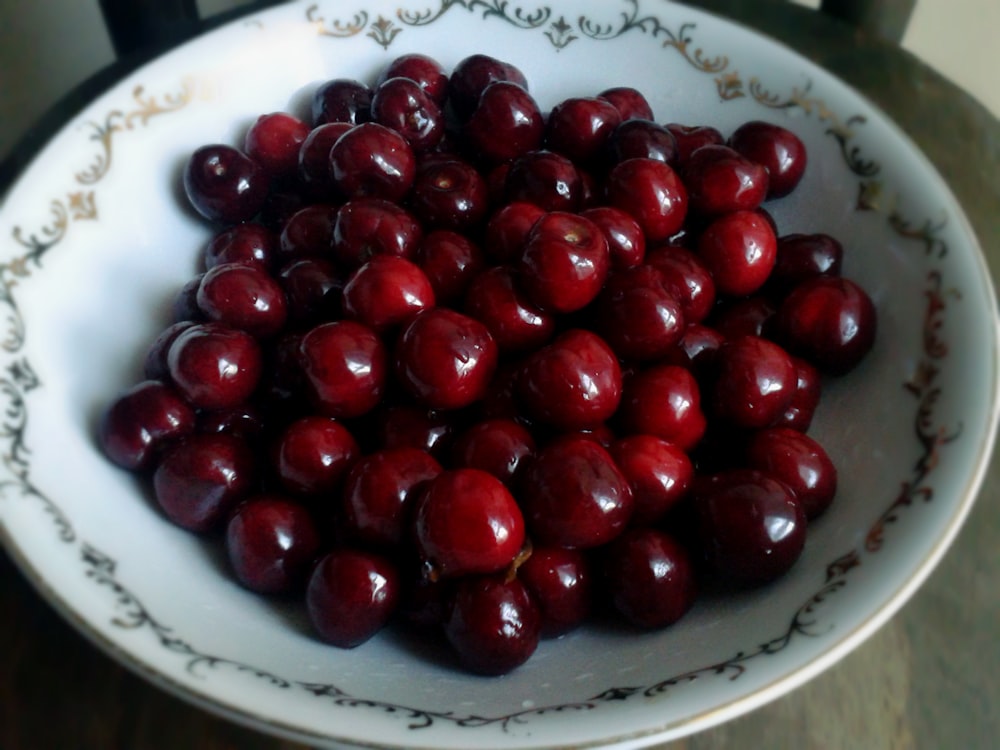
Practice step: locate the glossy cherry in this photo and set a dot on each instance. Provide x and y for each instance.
(755, 380)
(579, 127)
(800, 462)
(829, 321)
(547, 179)
(573, 495)
(639, 315)
(803, 256)
(626, 242)
(467, 522)
(473, 74)
(640, 139)
(200, 479)
(380, 492)
(505, 124)
(271, 543)
(650, 576)
(274, 141)
(313, 454)
(450, 194)
(689, 277)
(495, 299)
(775, 148)
(508, 228)
(751, 526)
(689, 138)
(740, 249)
(403, 105)
(341, 100)
(665, 401)
(651, 192)
(345, 366)
(386, 292)
(630, 102)
(560, 581)
(499, 446)
(373, 161)
(365, 227)
(445, 359)
(658, 471)
(451, 261)
(564, 262)
(492, 623)
(141, 421)
(243, 297)
(214, 366)
(313, 289)
(308, 233)
(224, 184)
(720, 180)
(573, 383)
(253, 244)
(429, 74)
(351, 595)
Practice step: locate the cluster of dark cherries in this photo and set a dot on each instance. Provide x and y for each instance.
(491, 372)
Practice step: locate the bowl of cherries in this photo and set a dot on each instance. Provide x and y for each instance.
(464, 392)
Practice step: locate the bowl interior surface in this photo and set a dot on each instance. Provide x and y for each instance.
(96, 240)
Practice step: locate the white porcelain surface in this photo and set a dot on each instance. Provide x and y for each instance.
(94, 242)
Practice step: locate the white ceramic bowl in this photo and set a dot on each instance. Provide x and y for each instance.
(94, 242)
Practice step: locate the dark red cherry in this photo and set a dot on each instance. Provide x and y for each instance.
(497, 446)
(639, 315)
(803, 256)
(402, 105)
(658, 471)
(797, 460)
(805, 399)
(650, 576)
(745, 316)
(373, 161)
(720, 180)
(224, 184)
(451, 261)
(754, 382)
(467, 522)
(495, 300)
(445, 359)
(740, 249)
(243, 297)
(313, 288)
(141, 421)
(342, 100)
(472, 75)
(651, 192)
(308, 233)
(689, 138)
(345, 366)
(366, 227)
(507, 230)
(380, 491)
(559, 580)
(689, 277)
(450, 194)
(351, 595)
(252, 244)
(665, 401)
(626, 242)
(314, 160)
(274, 140)
(545, 178)
(629, 102)
(696, 349)
(579, 127)
(505, 124)
(573, 383)
(214, 366)
(564, 262)
(272, 543)
(777, 149)
(429, 74)
(386, 292)
(750, 525)
(200, 479)
(492, 623)
(573, 495)
(829, 321)
(245, 421)
(313, 454)
(411, 426)
(640, 139)
(155, 366)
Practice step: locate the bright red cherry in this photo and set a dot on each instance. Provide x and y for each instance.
(777, 149)
(141, 421)
(560, 581)
(467, 522)
(754, 382)
(386, 292)
(345, 366)
(740, 249)
(665, 401)
(652, 193)
(798, 461)
(313, 454)
(658, 471)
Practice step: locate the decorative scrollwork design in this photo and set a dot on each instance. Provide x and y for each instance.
(336, 28)
(496, 8)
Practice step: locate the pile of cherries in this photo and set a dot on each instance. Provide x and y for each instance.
(487, 371)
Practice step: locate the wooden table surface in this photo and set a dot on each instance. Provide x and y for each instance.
(930, 678)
